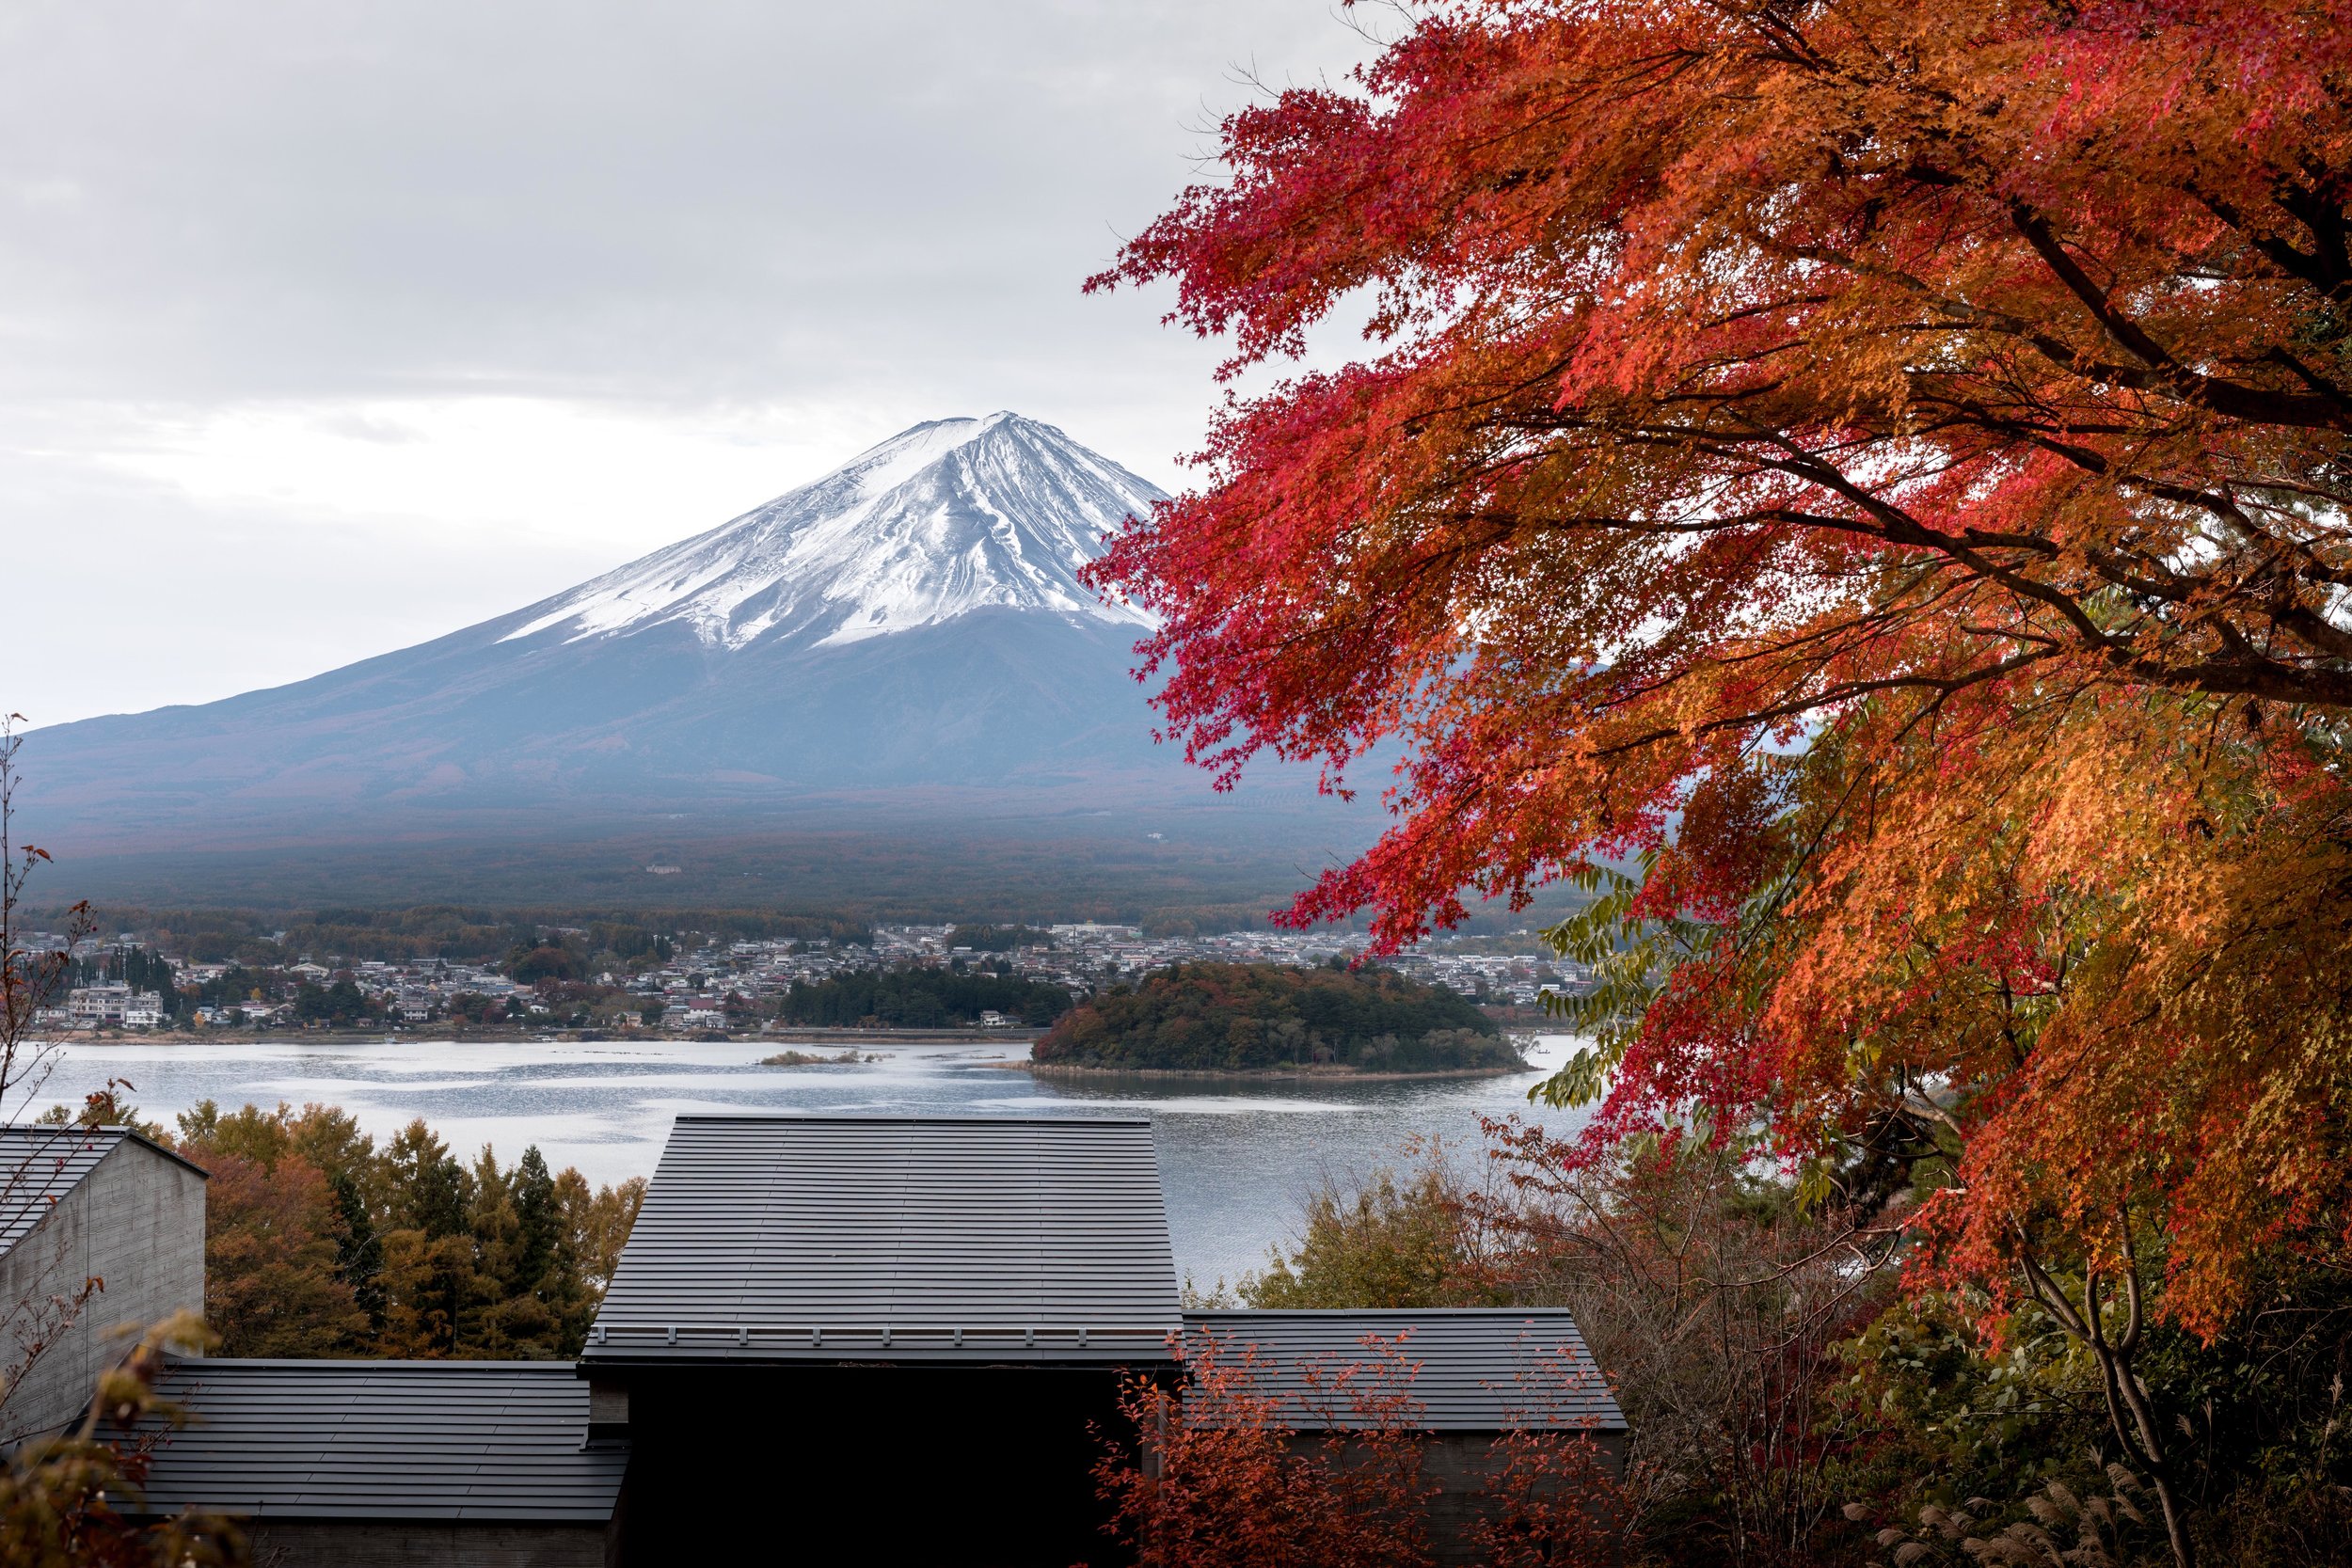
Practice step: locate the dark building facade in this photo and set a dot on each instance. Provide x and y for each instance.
(931, 1315)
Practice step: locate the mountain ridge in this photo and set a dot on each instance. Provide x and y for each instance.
(943, 519)
(908, 627)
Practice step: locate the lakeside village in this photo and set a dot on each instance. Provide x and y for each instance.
(1032, 974)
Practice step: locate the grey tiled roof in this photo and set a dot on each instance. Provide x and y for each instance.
(1474, 1369)
(453, 1440)
(41, 1165)
(896, 1239)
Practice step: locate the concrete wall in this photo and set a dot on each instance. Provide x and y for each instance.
(136, 1223)
(401, 1544)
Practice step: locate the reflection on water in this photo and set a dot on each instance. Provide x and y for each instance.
(1236, 1155)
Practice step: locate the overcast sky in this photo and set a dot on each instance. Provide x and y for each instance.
(327, 327)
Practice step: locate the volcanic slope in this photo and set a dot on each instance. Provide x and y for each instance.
(910, 623)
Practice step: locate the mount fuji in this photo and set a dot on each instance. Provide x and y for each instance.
(906, 633)
(934, 524)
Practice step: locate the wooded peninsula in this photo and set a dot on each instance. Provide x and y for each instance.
(1244, 1018)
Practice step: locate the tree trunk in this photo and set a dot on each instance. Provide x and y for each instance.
(2130, 1412)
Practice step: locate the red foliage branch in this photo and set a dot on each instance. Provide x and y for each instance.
(1888, 463)
(1245, 1468)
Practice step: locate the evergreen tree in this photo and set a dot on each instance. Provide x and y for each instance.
(431, 1190)
(432, 1285)
(533, 1193)
(358, 1252)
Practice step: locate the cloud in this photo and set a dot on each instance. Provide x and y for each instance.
(362, 321)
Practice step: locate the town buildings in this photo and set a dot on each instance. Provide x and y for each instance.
(737, 985)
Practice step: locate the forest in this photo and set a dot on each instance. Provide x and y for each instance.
(322, 1241)
(456, 933)
(921, 999)
(1229, 1018)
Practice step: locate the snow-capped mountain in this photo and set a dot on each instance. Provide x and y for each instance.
(936, 522)
(911, 619)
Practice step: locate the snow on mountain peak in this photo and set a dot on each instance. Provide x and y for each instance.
(940, 520)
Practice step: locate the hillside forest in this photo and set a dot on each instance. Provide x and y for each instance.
(1229, 1018)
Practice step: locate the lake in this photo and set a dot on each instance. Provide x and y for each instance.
(1236, 1156)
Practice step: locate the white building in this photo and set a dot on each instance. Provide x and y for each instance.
(87, 1006)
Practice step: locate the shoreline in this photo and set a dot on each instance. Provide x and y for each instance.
(1263, 1075)
(1022, 1037)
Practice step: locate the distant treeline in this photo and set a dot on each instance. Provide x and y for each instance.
(920, 999)
(992, 872)
(836, 907)
(1213, 1017)
(456, 933)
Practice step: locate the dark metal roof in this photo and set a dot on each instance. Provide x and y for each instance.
(41, 1165)
(1474, 1369)
(896, 1239)
(483, 1441)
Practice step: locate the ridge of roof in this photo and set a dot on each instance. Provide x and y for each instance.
(1296, 1313)
(119, 1134)
(1474, 1369)
(346, 1363)
(794, 1238)
(165, 1150)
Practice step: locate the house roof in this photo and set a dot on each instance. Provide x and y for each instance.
(483, 1441)
(41, 1165)
(783, 1238)
(1474, 1369)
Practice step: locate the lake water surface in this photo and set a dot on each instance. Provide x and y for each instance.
(1236, 1156)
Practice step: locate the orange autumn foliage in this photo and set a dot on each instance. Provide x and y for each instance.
(1886, 465)
(270, 1280)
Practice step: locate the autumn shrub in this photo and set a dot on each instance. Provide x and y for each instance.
(1321, 1466)
(72, 1501)
(1225, 1480)
(1550, 1503)
(1788, 1403)
(1714, 1302)
(1389, 1241)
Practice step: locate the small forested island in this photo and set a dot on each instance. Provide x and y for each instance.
(1259, 1018)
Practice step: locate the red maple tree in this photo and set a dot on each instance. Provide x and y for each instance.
(1883, 470)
